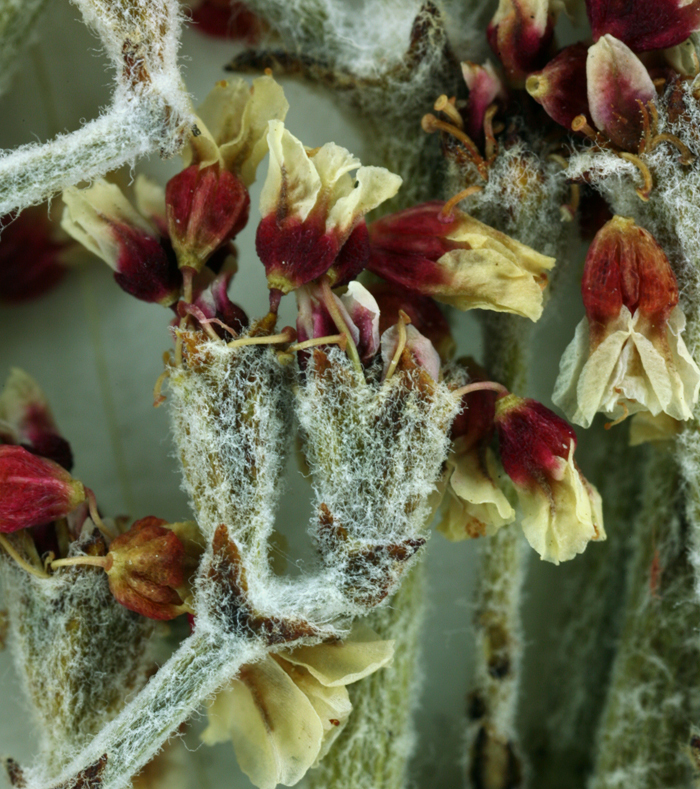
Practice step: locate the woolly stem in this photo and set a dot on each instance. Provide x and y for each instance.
(492, 760)
(200, 666)
(653, 695)
(17, 18)
(374, 748)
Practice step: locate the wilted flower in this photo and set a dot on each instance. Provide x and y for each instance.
(283, 713)
(34, 490)
(562, 510)
(148, 567)
(26, 419)
(647, 25)
(106, 223)
(458, 260)
(313, 212)
(628, 353)
(520, 34)
(617, 83)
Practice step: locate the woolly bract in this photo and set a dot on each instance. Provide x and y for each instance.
(233, 123)
(284, 713)
(476, 506)
(562, 519)
(631, 370)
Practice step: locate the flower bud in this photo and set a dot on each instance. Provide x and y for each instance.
(424, 313)
(563, 511)
(228, 19)
(104, 222)
(459, 261)
(485, 87)
(520, 34)
(647, 25)
(25, 412)
(34, 490)
(628, 353)
(214, 304)
(205, 207)
(560, 87)
(313, 211)
(148, 567)
(32, 255)
(617, 83)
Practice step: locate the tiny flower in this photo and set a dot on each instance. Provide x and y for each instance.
(284, 713)
(106, 223)
(34, 490)
(32, 255)
(655, 24)
(25, 413)
(461, 261)
(562, 510)
(520, 34)
(214, 305)
(617, 83)
(313, 212)
(403, 340)
(424, 313)
(628, 354)
(485, 87)
(560, 87)
(148, 567)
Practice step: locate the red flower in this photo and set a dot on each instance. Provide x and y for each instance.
(560, 87)
(34, 490)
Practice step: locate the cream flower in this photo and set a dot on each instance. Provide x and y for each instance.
(631, 370)
(476, 507)
(283, 713)
(313, 211)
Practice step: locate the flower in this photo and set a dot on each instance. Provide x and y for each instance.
(212, 306)
(404, 346)
(562, 510)
(628, 353)
(476, 505)
(560, 87)
(459, 261)
(520, 34)
(148, 567)
(106, 223)
(485, 87)
(33, 255)
(313, 212)
(617, 83)
(284, 713)
(25, 413)
(34, 490)
(647, 25)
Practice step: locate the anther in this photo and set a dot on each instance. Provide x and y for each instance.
(443, 104)
(431, 124)
(580, 124)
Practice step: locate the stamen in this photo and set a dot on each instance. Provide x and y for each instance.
(580, 124)
(332, 339)
(330, 304)
(96, 519)
(686, 156)
(491, 148)
(479, 386)
(646, 140)
(431, 124)
(158, 397)
(645, 191)
(404, 320)
(446, 214)
(287, 335)
(443, 104)
(7, 545)
(94, 561)
(620, 419)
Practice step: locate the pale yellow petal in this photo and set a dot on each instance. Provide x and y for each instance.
(276, 732)
(374, 186)
(344, 662)
(150, 199)
(645, 427)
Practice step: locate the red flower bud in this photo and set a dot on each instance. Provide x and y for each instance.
(147, 568)
(626, 266)
(533, 440)
(560, 87)
(214, 304)
(653, 24)
(485, 87)
(227, 19)
(34, 490)
(205, 207)
(475, 422)
(520, 34)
